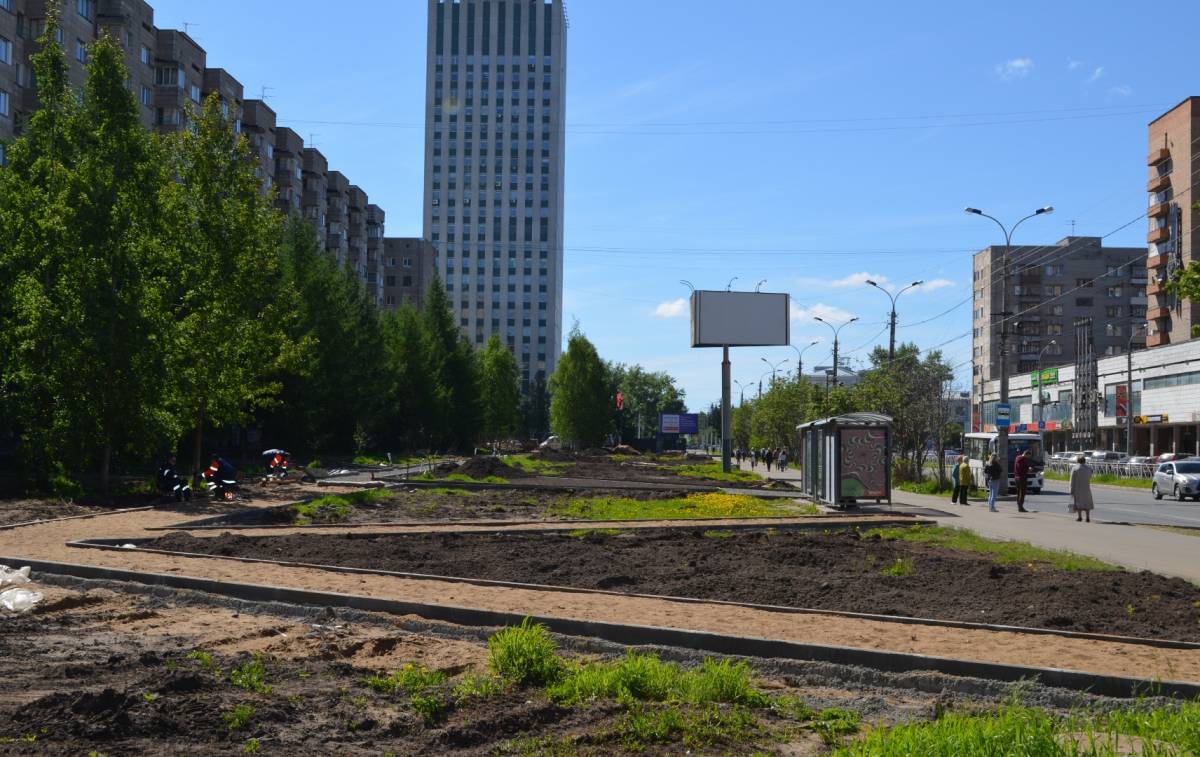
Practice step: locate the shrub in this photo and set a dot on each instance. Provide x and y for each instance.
(251, 676)
(411, 679)
(525, 654)
(238, 717)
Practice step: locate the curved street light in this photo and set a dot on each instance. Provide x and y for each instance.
(892, 321)
(800, 357)
(774, 366)
(729, 286)
(1002, 433)
(1041, 394)
(836, 330)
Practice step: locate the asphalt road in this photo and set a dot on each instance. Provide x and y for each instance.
(1122, 505)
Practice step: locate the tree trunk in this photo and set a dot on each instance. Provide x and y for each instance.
(199, 450)
(105, 463)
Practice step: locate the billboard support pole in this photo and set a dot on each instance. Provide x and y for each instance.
(726, 425)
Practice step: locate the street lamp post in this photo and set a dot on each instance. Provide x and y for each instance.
(836, 330)
(760, 380)
(892, 320)
(774, 367)
(741, 391)
(800, 357)
(1041, 408)
(1002, 433)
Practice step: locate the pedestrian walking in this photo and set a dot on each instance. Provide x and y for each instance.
(1082, 503)
(770, 456)
(959, 494)
(1021, 473)
(991, 474)
(783, 460)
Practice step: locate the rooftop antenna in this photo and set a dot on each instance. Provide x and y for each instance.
(1072, 227)
(311, 141)
(187, 24)
(263, 94)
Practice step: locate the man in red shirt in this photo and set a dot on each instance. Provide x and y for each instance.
(1021, 474)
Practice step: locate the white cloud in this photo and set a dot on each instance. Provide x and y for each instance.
(859, 279)
(1073, 64)
(1123, 90)
(830, 313)
(1096, 74)
(1017, 68)
(672, 309)
(935, 284)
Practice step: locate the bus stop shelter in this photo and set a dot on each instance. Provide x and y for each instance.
(847, 459)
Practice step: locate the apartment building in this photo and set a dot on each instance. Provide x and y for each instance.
(1050, 288)
(179, 65)
(494, 168)
(1174, 171)
(131, 23)
(337, 202)
(315, 200)
(375, 235)
(258, 125)
(408, 266)
(356, 231)
(14, 71)
(289, 171)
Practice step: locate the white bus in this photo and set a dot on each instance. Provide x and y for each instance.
(980, 447)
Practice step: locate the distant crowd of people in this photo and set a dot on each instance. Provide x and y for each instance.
(777, 456)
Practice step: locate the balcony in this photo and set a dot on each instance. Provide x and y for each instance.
(1154, 286)
(1137, 299)
(1156, 261)
(1161, 209)
(1159, 183)
(1158, 156)
(1158, 313)
(1158, 235)
(1157, 340)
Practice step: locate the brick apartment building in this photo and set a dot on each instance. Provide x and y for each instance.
(169, 75)
(408, 266)
(1174, 172)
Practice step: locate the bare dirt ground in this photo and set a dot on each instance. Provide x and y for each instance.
(835, 571)
(108, 672)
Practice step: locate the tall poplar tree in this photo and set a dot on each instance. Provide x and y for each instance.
(499, 389)
(233, 305)
(581, 404)
(457, 414)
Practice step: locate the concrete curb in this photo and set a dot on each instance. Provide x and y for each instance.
(895, 662)
(114, 545)
(45, 521)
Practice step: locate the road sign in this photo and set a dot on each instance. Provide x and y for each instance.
(1041, 425)
(1144, 419)
(1003, 415)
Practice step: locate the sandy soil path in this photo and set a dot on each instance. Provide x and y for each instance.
(48, 542)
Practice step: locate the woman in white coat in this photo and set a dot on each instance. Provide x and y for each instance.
(1081, 490)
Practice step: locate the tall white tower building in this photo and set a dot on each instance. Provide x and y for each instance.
(494, 161)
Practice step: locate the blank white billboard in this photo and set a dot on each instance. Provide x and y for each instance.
(740, 319)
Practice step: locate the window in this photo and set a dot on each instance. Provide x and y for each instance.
(1054, 290)
(3, 103)
(1054, 270)
(194, 92)
(5, 51)
(1084, 302)
(146, 57)
(1114, 291)
(1054, 329)
(1112, 329)
(84, 8)
(147, 96)
(80, 51)
(1056, 310)
(1112, 311)
(6, 5)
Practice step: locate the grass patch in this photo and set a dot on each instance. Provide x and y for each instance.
(536, 467)
(1000, 551)
(419, 683)
(708, 505)
(251, 746)
(336, 506)
(1021, 730)
(641, 727)
(444, 491)
(251, 675)
(1107, 479)
(238, 717)
(902, 567)
(593, 533)
(717, 533)
(205, 661)
(928, 486)
(645, 678)
(475, 686)
(525, 654)
(714, 472)
(1177, 530)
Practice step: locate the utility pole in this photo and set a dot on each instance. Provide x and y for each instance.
(800, 358)
(836, 331)
(1002, 433)
(1129, 389)
(1041, 408)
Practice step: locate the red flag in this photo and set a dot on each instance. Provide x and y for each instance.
(620, 401)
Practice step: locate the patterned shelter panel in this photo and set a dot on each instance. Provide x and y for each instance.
(864, 463)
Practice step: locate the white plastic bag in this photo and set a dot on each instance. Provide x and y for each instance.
(20, 600)
(11, 577)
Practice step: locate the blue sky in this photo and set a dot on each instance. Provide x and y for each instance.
(809, 144)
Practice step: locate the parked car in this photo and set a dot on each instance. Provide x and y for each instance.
(1180, 479)
(552, 443)
(1141, 460)
(1168, 457)
(1106, 456)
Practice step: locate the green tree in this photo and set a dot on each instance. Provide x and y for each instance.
(580, 399)
(233, 307)
(1186, 283)
(88, 317)
(456, 406)
(409, 411)
(535, 408)
(646, 395)
(499, 390)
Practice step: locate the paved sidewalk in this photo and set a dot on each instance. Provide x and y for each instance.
(1134, 547)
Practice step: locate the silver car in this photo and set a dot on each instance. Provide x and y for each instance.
(1181, 480)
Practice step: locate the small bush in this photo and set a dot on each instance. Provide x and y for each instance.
(643, 726)
(644, 677)
(411, 679)
(251, 746)
(429, 706)
(902, 567)
(204, 660)
(474, 686)
(525, 654)
(251, 676)
(238, 717)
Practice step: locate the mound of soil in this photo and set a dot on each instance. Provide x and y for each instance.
(487, 465)
(826, 571)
